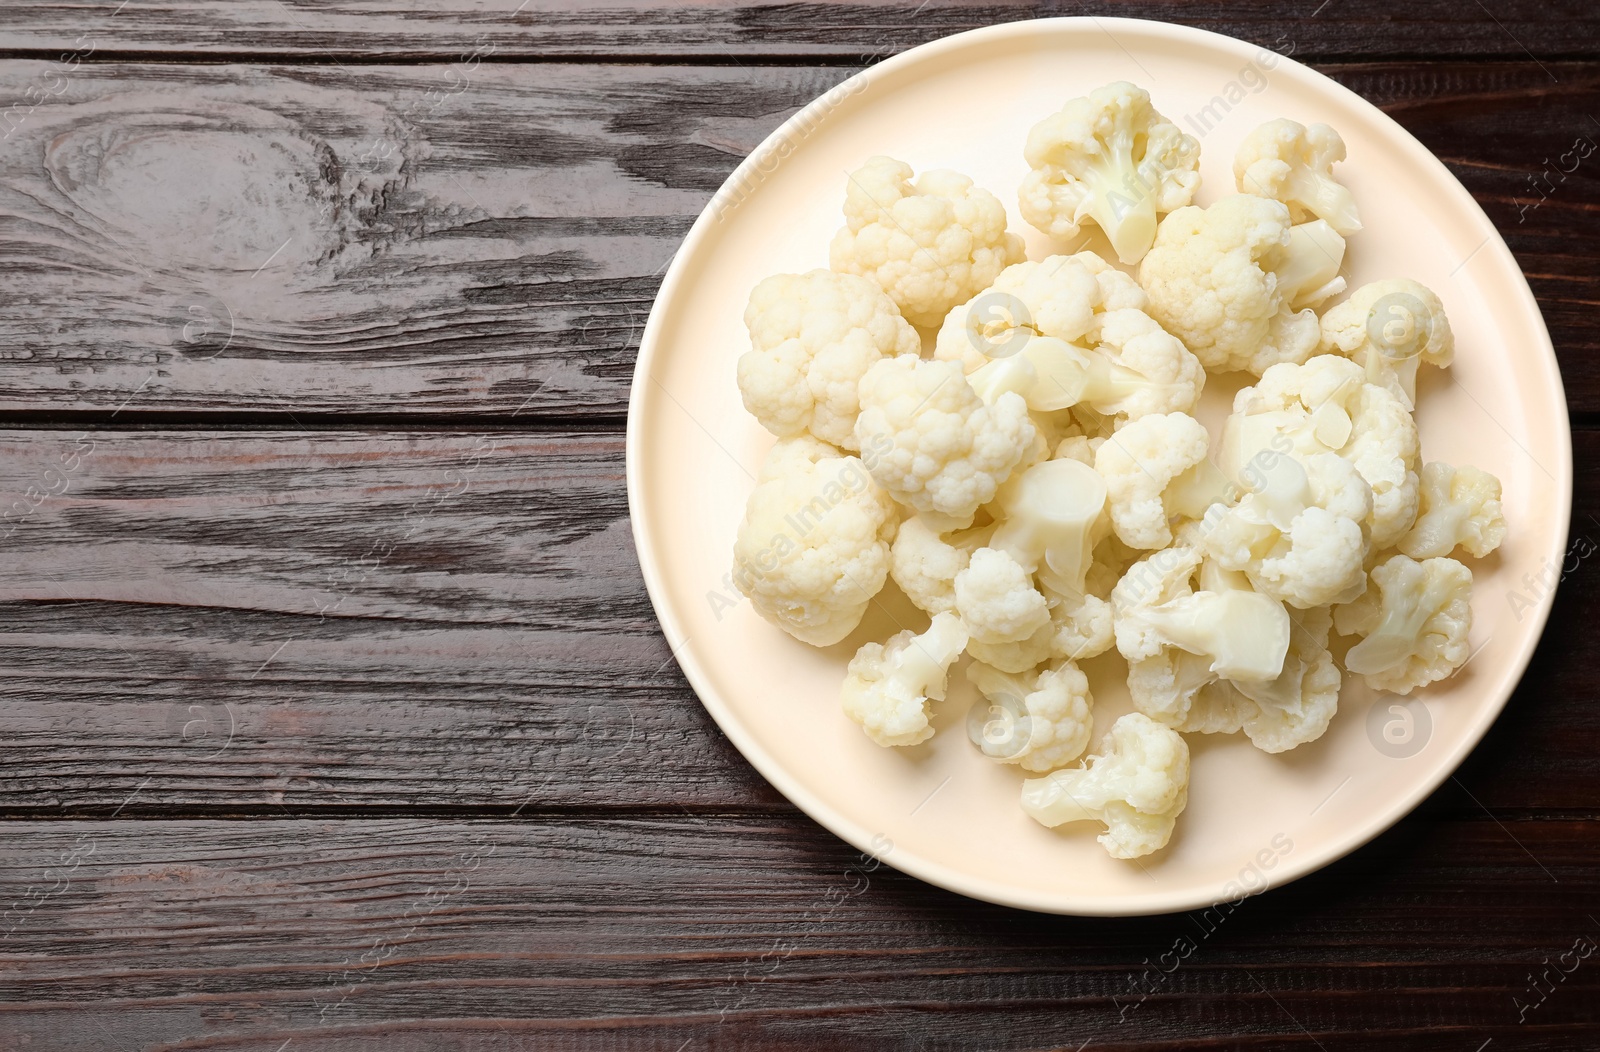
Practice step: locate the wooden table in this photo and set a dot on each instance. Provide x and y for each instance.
(335, 714)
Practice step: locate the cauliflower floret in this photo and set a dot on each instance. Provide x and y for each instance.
(925, 564)
(1176, 639)
(1040, 720)
(1299, 533)
(1118, 290)
(1391, 327)
(1235, 282)
(1413, 622)
(1052, 518)
(1111, 158)
(1137, 370)
(929, 245)
(812, 336)
(795, 454)
(944, 451)
(888, 685)
(1137, 785)
(996, 599)
(1458, 507)
(813, 548)
(1139, 463)
(1285, 712)
(1327, 406)
(1053, 297)
(1288, 162)
(1079, 628)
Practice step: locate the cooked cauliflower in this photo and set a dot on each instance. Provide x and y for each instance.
(1281, 713)
(945, 451)
(925, 564)
(1300, 535)
(1235, 282)
(1289, 162)
(1176, 639)
(1413, 623)
(1137, 785)
(1327, 406)
(996, 599)
(888, 686)
(1391, 327)
(1459, 507)
(813, 548)
(1052, 521)
(812, 336)
(1054, 297)
(1039, 720)
(929, 245)
(1139, 463)
(1111, 158)
(1079, 628)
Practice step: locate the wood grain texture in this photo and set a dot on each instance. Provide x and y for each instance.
(277, 620)
(851, 30)
(261, 623)
(488, 240)
(745, 933)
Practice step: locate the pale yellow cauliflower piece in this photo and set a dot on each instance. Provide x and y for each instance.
(888, 686)
(996, 599)
(813, 548)
(925, 564)
(1413, 623)
(1235, 282)
(1460, 507)
(944, 451)
(1289, 162)
(1391, 327)
(812, 336)
(1327, 406)
(928, 244)
(1137, 785)
(1139, 463)
(1109, 158)
(1039, 720)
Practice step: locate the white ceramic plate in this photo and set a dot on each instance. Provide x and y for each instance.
(941, 811)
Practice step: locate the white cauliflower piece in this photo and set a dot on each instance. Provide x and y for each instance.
(1391, 327)
(1413, 623)
(996, 599)
(1118, 290)
(1111, 158)
(1300, 533)
(1079, 628)
(1235, 282)
(1285, 712)
(925, 565)
(1053, 297)
(1327, 406)
(813, 548)
(1139, 463)
(1459, 507)
(944, 451)
(1051, 520)
(888, 685)
(1038, 720)
(1176, 639)
(812, 336)
(1137, 785)
(1289, 162)
(929, 245)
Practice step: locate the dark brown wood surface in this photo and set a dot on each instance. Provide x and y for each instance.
(335, 715)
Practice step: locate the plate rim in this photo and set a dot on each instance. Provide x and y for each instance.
(928, 870)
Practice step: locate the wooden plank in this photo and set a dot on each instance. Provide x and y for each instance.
(238, 622)
(754, 933)
(362, 240)
(849, 29)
